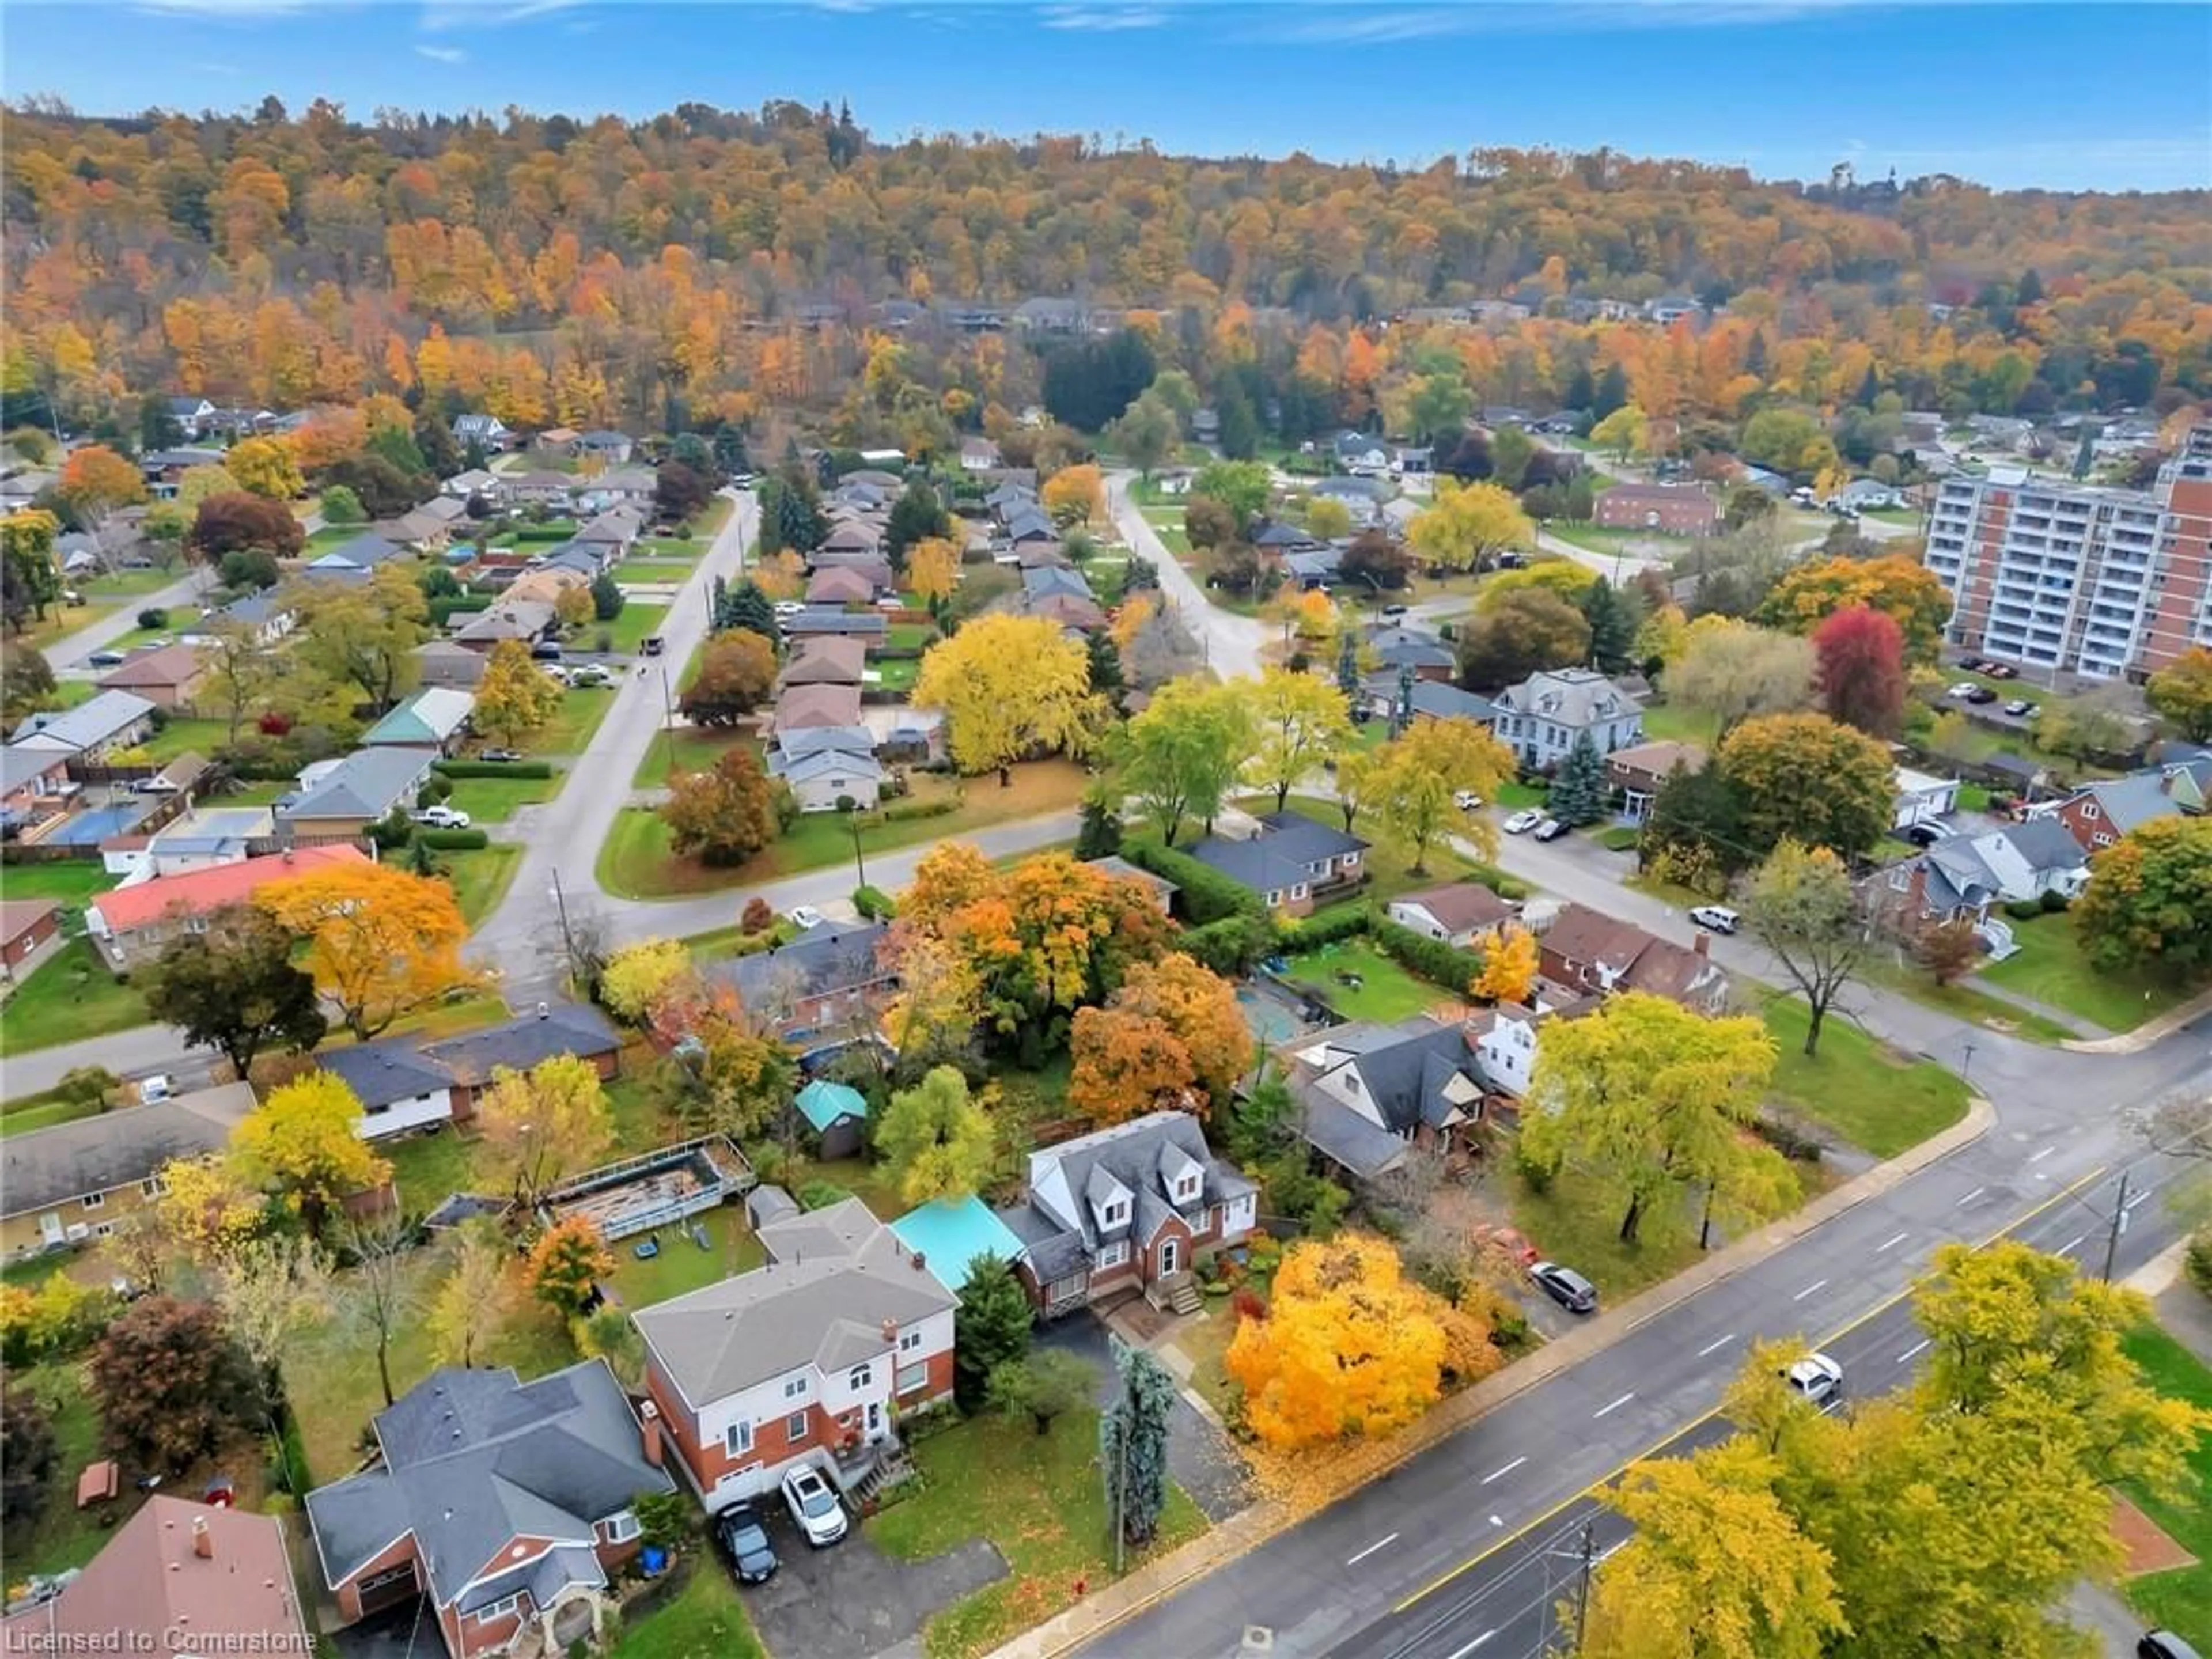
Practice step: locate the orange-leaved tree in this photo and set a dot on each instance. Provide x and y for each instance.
(569, 1257)
(1509, 965)
(381, 942)
(1349, 1346)
(1173, 1026)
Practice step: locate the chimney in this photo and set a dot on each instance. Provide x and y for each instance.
(648, 1418)
(1702, 945)
(920, 1261)
(891, 1332)
(203, 1540)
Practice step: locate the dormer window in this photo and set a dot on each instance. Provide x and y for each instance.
(1114, 1214)
(1185, 1188)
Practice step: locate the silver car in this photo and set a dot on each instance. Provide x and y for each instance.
(814, 1506)
(1523, 822)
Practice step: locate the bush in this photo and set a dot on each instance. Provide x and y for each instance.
(907, 811)
(2055, 903)
(1231, 945)
(392, 832)
(468, 769)
(88, 1085)
(1207, 896)
(433, 790)
(153, 616)
(1788, 1139)
(1316, 931)
(758, 917)
(873, 903)
(1440, 963)
(1249, 1304)
(453, 841)
(2196, 1260)
(2023, 910)
(821, 1194)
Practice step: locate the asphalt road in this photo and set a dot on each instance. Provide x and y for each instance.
(66, 656)
(1232, 642)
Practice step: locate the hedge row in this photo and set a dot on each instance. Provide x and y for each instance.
(1314, 931)
(1231, 945)
(452, 840)
(469, 769)
(907, 812)
(873, 903)
(1207, 896)
(1439, 964)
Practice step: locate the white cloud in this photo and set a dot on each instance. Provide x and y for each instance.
(441, 54)
(442, 16)
(1102, 19)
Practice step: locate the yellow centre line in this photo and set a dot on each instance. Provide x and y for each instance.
(1673, 1435)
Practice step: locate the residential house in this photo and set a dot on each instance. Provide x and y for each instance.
(1639, 772)
(1669, 510)
(200, 839)
(850, 535)
(505, 1505)
(837, 1113)
(872, 566)
(547, 490)
(1132, 1207)
(1206, 426)
(34, 783)
(548, 579)
(130, 924)
(164, 469)
(603, 444)
(444, 663)
(1865, 495)
(1459, 914)
(1365, 1093)
(558, 441)
(1290, 861)
(476, 482)
(2098, 814)
(356, 560)
(1161, 890)
(91, 731)
(1959, 878)
(417, 528)
(825, 780)
(1542, 718)
(179, 1577)
(1586, 951)
(632, 487)
(1050, 314)
(1073, 613)
(344, 797)
(611, 535)
(405, 1083)
(1922, 797)
(192, 413)
(1361, 454)
(71, 1184)
(525, 619)
(435, 719)
(486, 432)
(1670, 309)
(1036, 556)
(1011, 496)
(28, 927)
(980, 455)
(824, 982)
(868, 626)
(1314, 570)
(807, 1360)
(972, 316)
(1424, 653)
(953, 1236)
(839, 585)
(268, 618)
(1424, 700)
(1279, 538)
(1053, 581)
(826, 661)
(803, 705)
(897, 315)
(1029, 524)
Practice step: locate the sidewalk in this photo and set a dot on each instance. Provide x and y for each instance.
(1156, 1581)
(2150, 1031)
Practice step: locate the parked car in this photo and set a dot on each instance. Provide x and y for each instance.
(442, 817)
(806, 917)
(590, 673)
(1818, 1378)
(500, 756)
(1927, 835)
(1718, 917)
(1565, 1286)
(1962, 690)
(545, 651)
(1550, 829)
(1980, 694)
(744, 1540)
(1972, 664)
(1523, 822)
(105, 659)
(155, 785)
(2163, 1644)
(655, 645)
(159, 1085)
(1466, 800)
(2000, 671)
(814, 1506)
(788, 607)
(1394, 610)
(2018, 706)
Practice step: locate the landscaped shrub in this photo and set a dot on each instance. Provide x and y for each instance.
(2023, 910)
(1439, 964)
(468, 769)
(433, 790)
(392, 832)
(2055, 903)
(1788, 1139)
(821, 1194)
(453, 841)
(1231, 945)
(873, 903)
(759, 915)
(1249, 1304)
(906, 812)
(1207, 896)
(153, 616)
(1315, 930)
(2196, 1260)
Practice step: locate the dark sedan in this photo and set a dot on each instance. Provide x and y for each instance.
(744, 1540)
(1565, 1286)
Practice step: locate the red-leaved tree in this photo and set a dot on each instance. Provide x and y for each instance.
(1861, 656)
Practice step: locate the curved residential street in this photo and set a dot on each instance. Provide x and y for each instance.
(1232, 642)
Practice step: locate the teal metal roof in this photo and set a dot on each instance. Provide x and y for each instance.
(822, 1102)
(949, 1234)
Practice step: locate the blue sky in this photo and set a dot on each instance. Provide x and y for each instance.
(2090, 96)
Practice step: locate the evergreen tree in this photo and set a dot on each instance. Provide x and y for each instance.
(157, 428)
(1698, 811)
(1578, 792)
(1581, 391)
(916, 516)
(1612, 629)
(1869, 388)
(991, 1329)
(1612, 392)
(1106, 667)
(1100, 834)
(1133, 1443)
(729, 448)
(1240, 424)
(607, 596)
(746, 606)
(1347, 666)
(718, 606)
(1755, 355)
(2031, 289)
(434, 439)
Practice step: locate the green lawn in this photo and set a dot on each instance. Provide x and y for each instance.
(1876, 1098)
(1577, 1220)
(1513, 797)
(2052, 968)
(62, 1536)
(1387, 993)
(702, 1619)
(1963, 1002)
(1039, 1500)
(628, 630)
(104, 596)
(898, 673)
(66, 881)
(1592, 538)
(489, 800)
(2179, 1601)
(682, 1265)
(570, 731)
(1390, 871)
(672, 572)
(678, 548)
(255, 794)
(69, 996)
(684, 749)
(187, 737)
(908, 636)
(636, 861)
(481, 876)
(1672, 723)
(42, 1111)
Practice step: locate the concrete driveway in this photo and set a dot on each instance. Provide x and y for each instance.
(851, 1600)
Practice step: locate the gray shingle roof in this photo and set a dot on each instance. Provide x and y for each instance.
(1399, 647)
(1276, 858)
(2125, 802)
(114, 1149)
(1070, 1183)
(1350, 1139)
(366, 784)
(828, 958)
(94, 722)
(394, 1068)
(1572, 697)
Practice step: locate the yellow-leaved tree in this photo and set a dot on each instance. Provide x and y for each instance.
(381, 942)
(516, 699)
(1469, 523)
(303, 1144)
(1074, 495)
(639, 977)
(1011, 687)
(1509, 965)
(541, 1125)
(933, 567)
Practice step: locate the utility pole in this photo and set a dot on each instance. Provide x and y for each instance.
(567, 939)
(1583, 1588)
(1122, 1422)
(2119, 1226)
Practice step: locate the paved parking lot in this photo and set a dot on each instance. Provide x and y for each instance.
(851, 1600)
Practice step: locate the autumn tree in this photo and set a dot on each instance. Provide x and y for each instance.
(233, 986)
(1349, 1347)
(1417, 775)
(2182, 691)
(26, 682)
(1242, 486)
(1145, 435)
(567, 1262)
(1174, 1027)
(2149, 900)
(1730, 671)
(270, 1293)
(937, 1141)
(1011, 687)
(1180, 757)
(736, 1080)
(1901, 588)
(737, 673)
(474, 1301)
(1803, 908)
(96, 484)
(381, 942)
(1948, 951)
(538, 1127)
(1653, 1099)
(30, 575)
(238, 672)
(303, 1142)
(207, 1212)
(1525, 633)
(1862, 671)
(364, 634)
(933, 568)
(725, 814)
(2093, 725)
(1373, 561)
(639, 976)
(1806, 778)
(264, 467)
(237, 522)
(1302, 722)
(515, 699)
(1074, 495)
(1624, 431)
(171, 1385)
(1509, 965)
(1467, 525)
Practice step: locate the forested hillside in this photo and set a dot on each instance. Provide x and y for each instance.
(550, 270)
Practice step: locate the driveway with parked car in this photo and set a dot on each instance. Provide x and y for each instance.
(852, 1600)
